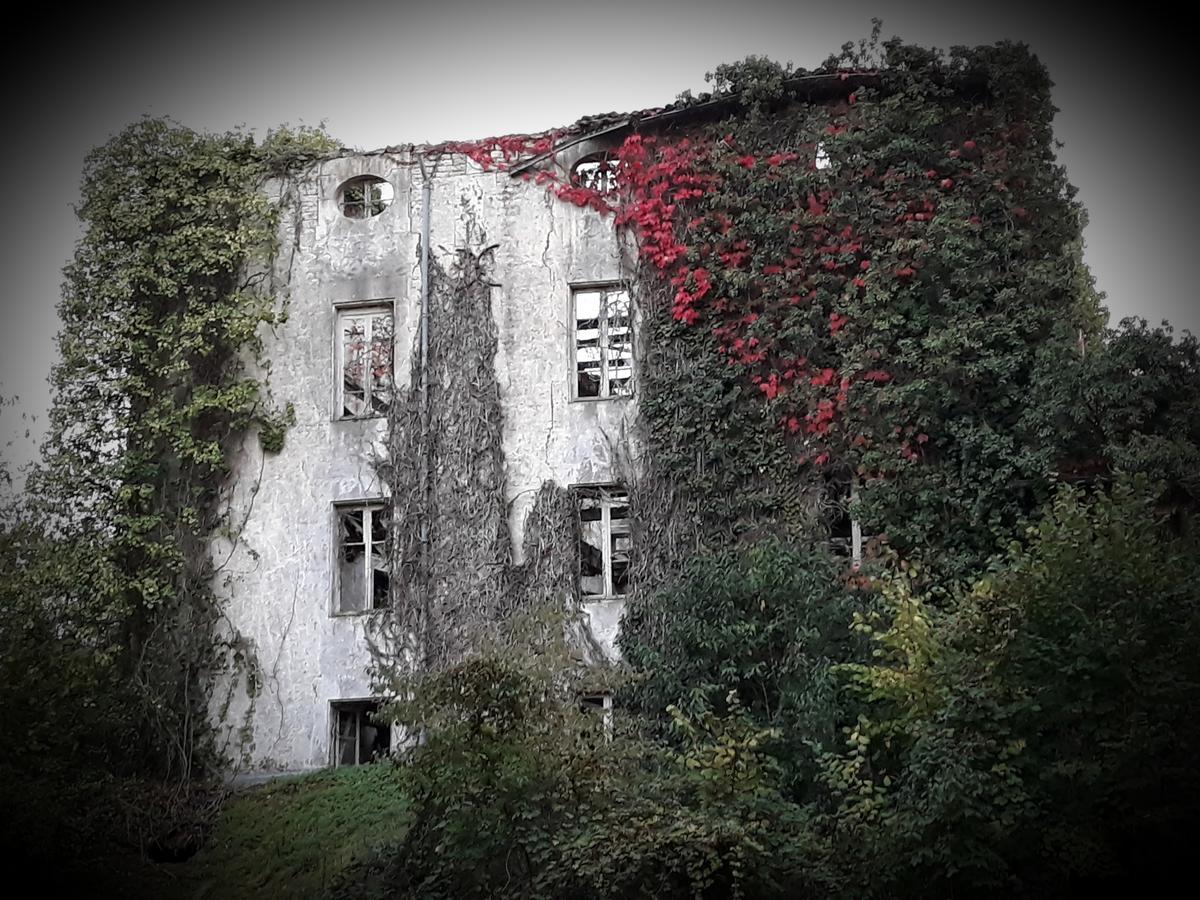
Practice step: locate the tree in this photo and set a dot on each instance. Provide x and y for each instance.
(517, 792)
(1127, 401)
(1038, 732)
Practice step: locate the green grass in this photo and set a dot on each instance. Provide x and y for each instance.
(291, 838)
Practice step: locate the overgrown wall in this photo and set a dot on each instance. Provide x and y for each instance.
(279, 581)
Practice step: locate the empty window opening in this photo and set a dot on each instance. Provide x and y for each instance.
(600, 705)
(365, 196)
(603, 342)
(366, 342)
(358, 736)
(822, 156)
(363, 581)
(597, 172)
(604, 542)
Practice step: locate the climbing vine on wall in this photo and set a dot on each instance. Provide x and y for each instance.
(159, 382)
(858, 265)
(878, 271)
(445, 471)
(455, 587)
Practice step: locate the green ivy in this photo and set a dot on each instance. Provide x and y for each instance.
(163, 311)
(883, 315)
(767, 622)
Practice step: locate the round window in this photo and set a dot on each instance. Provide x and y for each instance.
(597, 172)
(365, 196)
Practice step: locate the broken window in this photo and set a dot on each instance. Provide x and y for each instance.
(603, 342)
(363, 581)
(597, 172)
(358, 735)
(364, 359)
(365, 196)
(845, 528)
(604, 542)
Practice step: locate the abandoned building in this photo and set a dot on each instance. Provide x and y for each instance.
(365, 239)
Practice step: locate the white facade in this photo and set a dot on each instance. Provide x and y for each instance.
(279, 581)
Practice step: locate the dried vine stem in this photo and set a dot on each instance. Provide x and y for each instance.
(459, 594)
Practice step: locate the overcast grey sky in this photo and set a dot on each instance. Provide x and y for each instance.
(381, 73)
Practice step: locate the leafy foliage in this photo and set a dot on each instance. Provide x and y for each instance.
(161, 310)
(756, 80)
(861, 281)
(763, 624)
(110, 633)
(1040, 729)
(1130, 401)
(520, 793)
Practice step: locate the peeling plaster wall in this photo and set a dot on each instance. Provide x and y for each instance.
(278, 581)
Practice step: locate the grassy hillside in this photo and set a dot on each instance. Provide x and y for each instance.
(291, 838)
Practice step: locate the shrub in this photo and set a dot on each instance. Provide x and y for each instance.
(1040, 731)
(767, 620)
(522, 794)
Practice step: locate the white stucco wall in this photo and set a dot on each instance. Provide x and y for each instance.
(278, 581)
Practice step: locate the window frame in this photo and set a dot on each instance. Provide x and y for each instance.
(821, 158)
(342, 311)
(361, 707)
(852, 548)
(368, 507)
(606, 162)
(604, 288)
(368, 181)
(607, 503)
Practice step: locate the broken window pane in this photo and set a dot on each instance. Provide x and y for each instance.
(619, 343)
(845, 528)
(588, 384)
(382, 343)
(597, 173)
(603, 343)
(346, 751)
(379, 195)
(591, 545)
(352, 202)
(352, 526)
(352, 548)
(379, 525)
(822, 160)
(351, 581)
(380, 587)
(620, 543)
(604, 541)
(354, 388)
(359, 737)
(380, 578)
(587, 309)
(363, 564)
(366, 351)
(616, 308)
(839, 516)
(365, 196)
